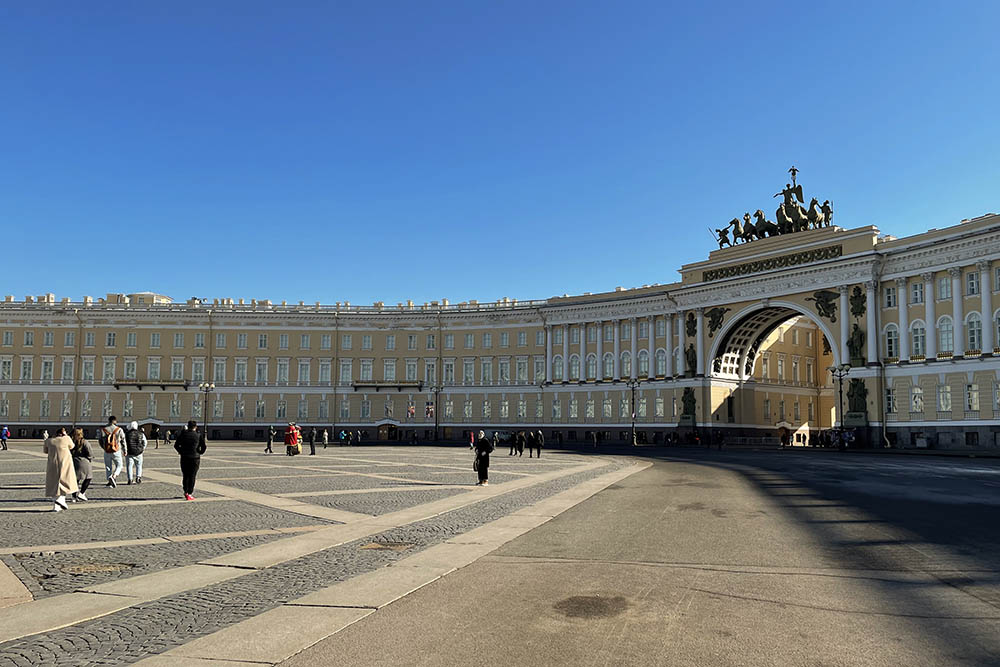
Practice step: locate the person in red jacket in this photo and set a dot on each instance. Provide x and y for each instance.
(291, 440)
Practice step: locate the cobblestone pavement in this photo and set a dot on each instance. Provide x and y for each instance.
(154, 627)
(151, 627)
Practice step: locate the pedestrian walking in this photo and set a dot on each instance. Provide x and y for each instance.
(4, 434)
(169, 438)
(530, 441)
(343, 437)
(481, 464)
(81, 464)
(45, 434)
(513, 445)
(539, 441)
(292, 446)
(519, 440)
(60, 478)
(190, 445)
(326, 438)
(472, 439)
(496, 439)
(135, 445)
(270, 440)
(154, 433)
(112, 441)
(312, 441)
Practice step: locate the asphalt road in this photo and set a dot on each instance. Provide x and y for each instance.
(719, 558)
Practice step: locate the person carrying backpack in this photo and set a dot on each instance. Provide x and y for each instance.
(135, 445)
(4, 434)
(112, 440)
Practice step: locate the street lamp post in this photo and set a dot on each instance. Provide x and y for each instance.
(633, 384)
(206, 388)
(839, 373)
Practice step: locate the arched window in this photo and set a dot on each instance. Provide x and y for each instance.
(946, 335)
(609, 366)
(918, 340)
(644, 363)
(574, 367)
(892, 341)
(661, 362)
(591, 366)
(557, 369)
(626, 364)
(974, 332)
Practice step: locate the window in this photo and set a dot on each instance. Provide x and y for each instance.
(431, 342)
(8, 338)
(522, 408)
(539, 409)
(996, 279)
(661, 328)
(592, 334)
(305, 341)
(644, 362)
(591, 366)
(809, 339)
(430, 371)
(623, 408)
(944, 398)
(606, 408)
(258, 412)
(345, 342)
(282, 341)
(917, 292)
(972, 397)
(449, 341)
(108, 374)
(486, 371)
(944, 288)
(218, 370)
(642, 406)
(29, 339)
(974, 332)
(239, 408)
(609, 333)
(366, 370)
(67, 370)
(411, 342)
(557, 336)
(48, 338)
(366, 409)
(325, 340)
(411, 370)
(25, 407)
(198, 370)
(281, 410)
(324, 371)
(918, 340)
(26, 369)
(916, 399)
(574, 409)
(69, 339)
(487, 409)
(487, 340)
(178, 340)
(241, 341)
(972, 283)
(130, 339)
(129, 373)
(574, 367)
(574, 336)
(282, 371)
(64, 409)
(890, 400)
(892, 341)
(795, 336)
(643, 329)
(305, 370)
(88, 370)
(557, 369)
(781, 410)
(890, 297)
(261, 341)
(626, 364)
(522, 339)
(810, 372)
(946, 338)
(389, 370)
(781, 368)
(48, 369)
(390, 342)
(796, 413)
(89, 339)
(504, 339)
(468, 371)
(220, 342)
(109, 339)
(324, 411)
(661, 363)
(503, 368)
(199, 340)
(812, 410)
(539, 370)
(176, 369)
(658, 407)
(303, 411)
(260, 374)
(556, 409)
(609, 365)
(366, 342)
(345, 409)
(449, 372)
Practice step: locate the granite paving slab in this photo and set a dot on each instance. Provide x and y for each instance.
(148, 490)
(382, 503)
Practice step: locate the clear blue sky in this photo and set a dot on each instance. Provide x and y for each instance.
(468, 149)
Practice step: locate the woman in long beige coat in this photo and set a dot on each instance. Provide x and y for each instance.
(60, 477)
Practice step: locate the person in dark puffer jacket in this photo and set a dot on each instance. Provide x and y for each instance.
(135, 445)
(190, 445)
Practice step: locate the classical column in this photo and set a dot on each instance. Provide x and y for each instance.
(873, 334)
(987, 309)
(845, 353)
(583, 350)
(565, 354)
(548, 353)
(600, 350)
(700, 341)
(903, 306)
(957, 315)
(618, 351)
(633, 326)
(930, 319)
(651, 326)
(668, 329)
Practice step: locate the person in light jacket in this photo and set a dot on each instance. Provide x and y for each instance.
(60, 478)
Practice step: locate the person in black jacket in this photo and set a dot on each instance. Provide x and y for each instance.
(312, 441)
(190, 445)
(483, 449)
(539, 441)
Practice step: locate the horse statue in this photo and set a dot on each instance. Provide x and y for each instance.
(749, 231)
(816, 216)
(764, 227)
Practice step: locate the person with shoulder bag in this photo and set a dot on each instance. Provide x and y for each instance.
(81, 464)
(112, 441)
(135, 445)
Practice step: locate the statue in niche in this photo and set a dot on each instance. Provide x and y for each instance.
(857, 396)
(688, 401)
(691, 325)
(856, 343)
(858, 304)
(691, 358)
